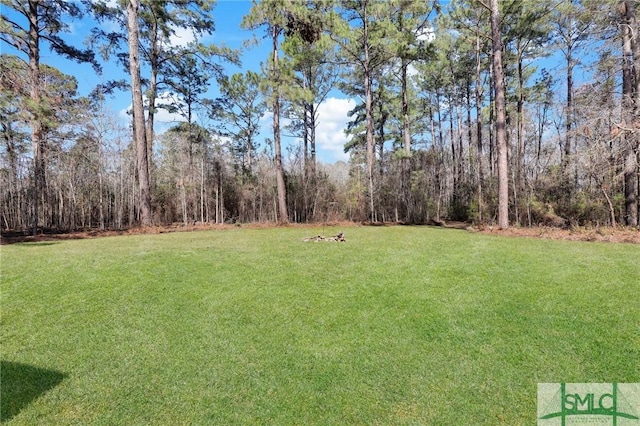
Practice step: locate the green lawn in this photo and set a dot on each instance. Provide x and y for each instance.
(398, 326)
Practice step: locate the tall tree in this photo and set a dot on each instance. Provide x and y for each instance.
(501, 120)
(414, 32)
(140, 136)
(58, 95)
(527, 32)
(312, 56)
(159, 48)
(572, 26)
(13, 104)
(362, 31)
(187, 81)
(164, 51)
(274, 15)
(413, 43)
(36, 22)
(630, 108)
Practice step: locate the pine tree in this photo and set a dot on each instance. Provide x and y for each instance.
(362, 30)
(275, 16)
(501, 121)
(44, 21)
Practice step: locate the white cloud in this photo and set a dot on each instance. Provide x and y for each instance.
(266, 119)
(330, 137)
(162, 116)
(181, 37)
(412, 71)
(332, 121)
(427, 34)
(125, 113)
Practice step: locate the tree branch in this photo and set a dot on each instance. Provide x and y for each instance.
(483, 4)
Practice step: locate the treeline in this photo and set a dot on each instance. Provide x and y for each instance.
(513, 112)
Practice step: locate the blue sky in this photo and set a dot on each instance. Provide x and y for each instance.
(228, 15)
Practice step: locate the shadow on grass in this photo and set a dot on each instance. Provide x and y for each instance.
(20, 384)
(32, 244)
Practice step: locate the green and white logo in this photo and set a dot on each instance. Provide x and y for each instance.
(563, 404)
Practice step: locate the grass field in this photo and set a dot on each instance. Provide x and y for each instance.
(397, 326)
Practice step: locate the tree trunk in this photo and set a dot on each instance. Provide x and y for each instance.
(138, 112)
(635, 48)
(569, 125)
(501, 140)
(312, 138)
(479, 153)
(202, 191)
(633, 155)
(152, 93)
(492, 121)
(454, 155)
(406, 130)
(519, 184)
(37, 132)
(406, 136)
(306, 122)
(370, 127)
(283, 215)
(629, 137)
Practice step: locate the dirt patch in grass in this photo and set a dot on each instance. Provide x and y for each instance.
(603, 234)
(10, 237)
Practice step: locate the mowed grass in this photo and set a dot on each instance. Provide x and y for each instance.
(397, 326)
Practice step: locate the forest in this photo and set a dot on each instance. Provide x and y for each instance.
(502, 112)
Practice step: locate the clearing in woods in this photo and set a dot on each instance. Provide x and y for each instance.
(396, 325)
